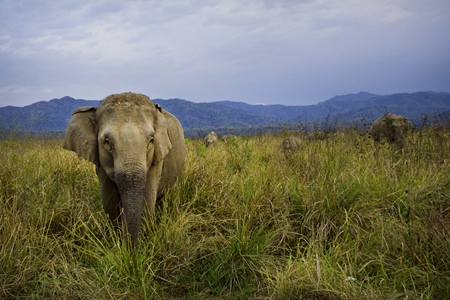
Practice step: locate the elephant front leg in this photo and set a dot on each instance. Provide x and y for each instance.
(110, 195)
(152, 186)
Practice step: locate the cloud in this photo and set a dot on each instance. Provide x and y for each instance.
(292, 52)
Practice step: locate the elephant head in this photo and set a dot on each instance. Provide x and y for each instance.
(138, 150)
(291, 144)
(393, 128)
(210, 139)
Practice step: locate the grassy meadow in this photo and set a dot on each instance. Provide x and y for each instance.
(338, 219)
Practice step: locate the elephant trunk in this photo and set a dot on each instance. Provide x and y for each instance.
(132, 193)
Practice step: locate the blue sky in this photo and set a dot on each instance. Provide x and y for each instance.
(273, 52)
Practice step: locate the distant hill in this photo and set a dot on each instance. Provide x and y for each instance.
(238, 117)
(52, 115)
(354, 108)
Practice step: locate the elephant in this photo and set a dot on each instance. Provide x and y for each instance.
(292, 144)
(229, 137)
(210, 139)
(338, 135)
(138, 150)
(393, 128)
(318, 135)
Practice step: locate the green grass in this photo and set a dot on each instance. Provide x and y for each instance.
(339, 219)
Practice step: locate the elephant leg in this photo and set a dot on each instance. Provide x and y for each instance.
(110, 195)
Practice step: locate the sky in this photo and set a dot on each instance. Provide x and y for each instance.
(291, 52)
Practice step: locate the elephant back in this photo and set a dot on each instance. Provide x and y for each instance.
(391, 127)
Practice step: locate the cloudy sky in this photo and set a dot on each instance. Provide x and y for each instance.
(293, 52)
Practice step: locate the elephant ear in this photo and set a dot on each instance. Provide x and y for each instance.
(162, 139)
(81, 134)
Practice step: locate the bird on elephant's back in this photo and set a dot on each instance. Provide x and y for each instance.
(138, 149)
(392, 128)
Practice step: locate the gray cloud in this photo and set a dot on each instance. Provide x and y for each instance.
(289, 52)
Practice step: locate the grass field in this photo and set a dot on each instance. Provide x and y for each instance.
(339, 219)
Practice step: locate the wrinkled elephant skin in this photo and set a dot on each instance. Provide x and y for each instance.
(138, 150)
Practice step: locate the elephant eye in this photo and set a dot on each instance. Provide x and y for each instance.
(107, 145)
(150, 142)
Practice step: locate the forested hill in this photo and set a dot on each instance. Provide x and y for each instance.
(223, 116)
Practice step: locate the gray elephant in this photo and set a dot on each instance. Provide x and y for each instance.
(292, 144)
(210, 139)
(229, 137)
(393, 128)
(138, 150)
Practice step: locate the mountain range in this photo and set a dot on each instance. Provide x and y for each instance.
(240, 118)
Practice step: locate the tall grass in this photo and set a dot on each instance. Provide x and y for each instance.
(341, 218)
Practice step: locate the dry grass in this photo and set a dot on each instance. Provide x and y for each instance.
(339, 219)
